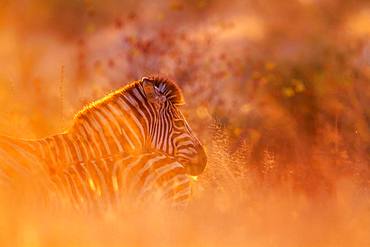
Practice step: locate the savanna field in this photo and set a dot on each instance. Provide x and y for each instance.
(278, 92)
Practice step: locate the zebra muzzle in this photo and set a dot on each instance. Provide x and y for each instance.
(197, 164)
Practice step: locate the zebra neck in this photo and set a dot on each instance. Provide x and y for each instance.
(114, 128)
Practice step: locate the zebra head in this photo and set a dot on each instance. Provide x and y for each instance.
(169, 131)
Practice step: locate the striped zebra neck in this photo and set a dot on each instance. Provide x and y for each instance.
(108, 127)
(115, 124)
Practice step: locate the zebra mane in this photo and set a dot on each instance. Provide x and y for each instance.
(166, 87)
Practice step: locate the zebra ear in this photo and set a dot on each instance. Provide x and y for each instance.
(152, 93)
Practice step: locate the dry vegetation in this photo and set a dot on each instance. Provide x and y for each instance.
(278, 91)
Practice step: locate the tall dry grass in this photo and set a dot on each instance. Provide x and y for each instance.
(279, 94)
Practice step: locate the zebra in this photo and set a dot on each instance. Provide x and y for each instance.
(98, 186)
(141, 117)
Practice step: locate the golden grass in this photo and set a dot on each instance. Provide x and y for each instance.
(278, 92)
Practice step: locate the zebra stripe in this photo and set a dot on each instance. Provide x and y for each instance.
(93, 186)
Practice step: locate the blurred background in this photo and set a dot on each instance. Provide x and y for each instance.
(278, 92)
